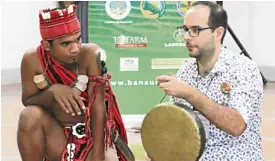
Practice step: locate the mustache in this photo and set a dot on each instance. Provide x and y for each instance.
(190, 45)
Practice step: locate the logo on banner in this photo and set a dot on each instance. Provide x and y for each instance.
(129, 64)
(130, 41)
(118, 10)
(152, 9)
(178, 36)
(183, 6)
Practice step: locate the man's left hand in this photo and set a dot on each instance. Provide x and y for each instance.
(172, 86)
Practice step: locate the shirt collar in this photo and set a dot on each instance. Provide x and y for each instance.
(220, 65)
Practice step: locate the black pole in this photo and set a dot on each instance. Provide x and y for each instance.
(243, 51)
(82, 15)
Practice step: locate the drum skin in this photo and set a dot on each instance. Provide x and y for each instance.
(172, 132)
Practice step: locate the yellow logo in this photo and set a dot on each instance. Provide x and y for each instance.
(183, 6)
(152, 9)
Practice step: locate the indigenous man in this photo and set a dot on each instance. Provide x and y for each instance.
(63, 90)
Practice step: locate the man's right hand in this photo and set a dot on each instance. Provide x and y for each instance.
(67, 99)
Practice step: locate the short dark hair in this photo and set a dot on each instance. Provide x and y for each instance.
(50, 42)
(217, 17)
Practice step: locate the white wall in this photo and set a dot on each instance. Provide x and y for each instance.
(252, 22)
(20, 30)
(239, 24)
(254, 25)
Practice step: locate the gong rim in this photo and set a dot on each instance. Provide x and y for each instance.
(173, 143)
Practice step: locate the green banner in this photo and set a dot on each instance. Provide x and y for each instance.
(141, 41)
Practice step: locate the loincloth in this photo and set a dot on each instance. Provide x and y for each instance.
(77, 142)
(77, 148)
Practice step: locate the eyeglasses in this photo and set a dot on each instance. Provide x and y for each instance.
(193, 31)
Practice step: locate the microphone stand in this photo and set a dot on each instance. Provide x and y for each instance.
(243, 51)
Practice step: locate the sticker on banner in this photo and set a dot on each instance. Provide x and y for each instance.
(130, 41)
(183, 6)
(118, 10)
(178, 39)
(152, 9)
(129, 64)
(169, 63)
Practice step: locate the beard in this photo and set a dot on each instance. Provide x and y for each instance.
(201, 52)
(193, 50)
(72, 65)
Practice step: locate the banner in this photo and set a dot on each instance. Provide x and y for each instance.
(141, 41)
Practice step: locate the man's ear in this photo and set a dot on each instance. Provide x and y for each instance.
(46, 45)
(220, 31)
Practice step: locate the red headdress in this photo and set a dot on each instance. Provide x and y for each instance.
(58, 22)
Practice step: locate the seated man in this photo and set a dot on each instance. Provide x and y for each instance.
(224, 89)
(63, 91)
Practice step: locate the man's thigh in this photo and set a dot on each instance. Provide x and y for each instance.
(110, 154)
(55, 138)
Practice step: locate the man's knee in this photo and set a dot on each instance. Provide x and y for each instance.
(31, 117)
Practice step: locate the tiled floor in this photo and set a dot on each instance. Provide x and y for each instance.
(11, 107)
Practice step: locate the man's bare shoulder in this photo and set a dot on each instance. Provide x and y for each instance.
(31, 60)
(90, 49)
(90, 55)
(30, 54)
